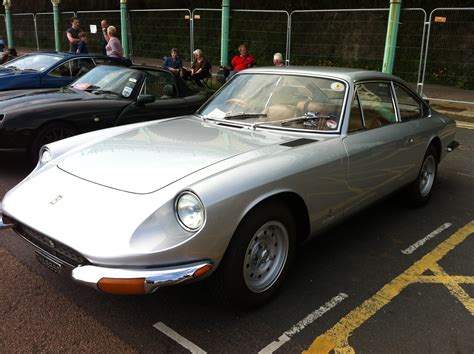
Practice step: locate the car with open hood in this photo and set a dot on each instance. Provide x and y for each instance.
(277, 155)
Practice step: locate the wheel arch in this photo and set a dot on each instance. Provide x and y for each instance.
(41, 127)
(296, 206)
(53, 122)
(436, 143)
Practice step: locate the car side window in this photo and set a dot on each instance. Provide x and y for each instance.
(63, 70)
(73, 68)
(81, 66)
(410, 108)
(375, 99)
(159, 84)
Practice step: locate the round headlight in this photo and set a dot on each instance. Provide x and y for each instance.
(189, 211)
(45, 156)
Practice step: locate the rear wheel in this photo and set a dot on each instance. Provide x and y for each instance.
(258, 256)
(421, 189)
(50, 133)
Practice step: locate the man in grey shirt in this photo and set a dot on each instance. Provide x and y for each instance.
(73, 34)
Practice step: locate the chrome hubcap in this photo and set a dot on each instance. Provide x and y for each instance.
(266, 256)
(427, 175)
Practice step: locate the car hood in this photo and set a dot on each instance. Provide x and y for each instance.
(10, 74)
(17, 99)
(153, 156)
(7, 72)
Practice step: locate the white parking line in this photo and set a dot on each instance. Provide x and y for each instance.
(193, 348)
(285, 337)
(431, 235)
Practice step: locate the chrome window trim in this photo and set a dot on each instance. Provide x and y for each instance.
(388, 82)
(415, 97)
(395, 99)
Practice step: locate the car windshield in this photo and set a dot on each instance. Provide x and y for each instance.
(286, 101)
(37, 62)
(109, 79)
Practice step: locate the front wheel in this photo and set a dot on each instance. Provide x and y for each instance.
(421, 189)
(258, 257)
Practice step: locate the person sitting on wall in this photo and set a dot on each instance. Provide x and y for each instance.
(173, 62)
(200, 70)
(278, 59)
(240, 62)
(244, 60)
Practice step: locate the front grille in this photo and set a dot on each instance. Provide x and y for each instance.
(53, 247)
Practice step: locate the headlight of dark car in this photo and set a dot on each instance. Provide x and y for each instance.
(189, 211)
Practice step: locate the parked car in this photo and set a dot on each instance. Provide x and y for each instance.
(49, 69)
(275, 156)
(104, 97)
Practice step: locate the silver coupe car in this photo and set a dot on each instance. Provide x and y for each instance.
(227, 193)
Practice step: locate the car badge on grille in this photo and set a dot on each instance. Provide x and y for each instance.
(57, 199)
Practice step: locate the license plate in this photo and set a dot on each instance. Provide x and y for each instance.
(49, 263)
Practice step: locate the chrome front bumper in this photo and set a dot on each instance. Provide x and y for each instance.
(153, 279)
(150, 279)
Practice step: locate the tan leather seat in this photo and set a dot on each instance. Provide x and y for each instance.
(280, 112)
(311, 106)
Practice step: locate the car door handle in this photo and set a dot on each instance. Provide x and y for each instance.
(410, 141)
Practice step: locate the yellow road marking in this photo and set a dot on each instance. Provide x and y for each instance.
(337, 338)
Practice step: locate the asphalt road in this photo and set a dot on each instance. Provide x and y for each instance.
(352, 289)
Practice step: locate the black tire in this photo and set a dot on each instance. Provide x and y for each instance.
(420, 190)
(258, 257)
(47, 134)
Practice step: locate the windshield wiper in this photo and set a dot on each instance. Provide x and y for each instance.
(89, 88)
(306, 117)
(313, 119)
(245, 115)
(99, 92)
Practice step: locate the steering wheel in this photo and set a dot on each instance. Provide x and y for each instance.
(237, 102)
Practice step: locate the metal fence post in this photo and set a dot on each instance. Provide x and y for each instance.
(8, 23)
(191, 35)
(36, 32)
(123, 23)
(391, 40)
(288, 41)
(225, 32)
(57, 40)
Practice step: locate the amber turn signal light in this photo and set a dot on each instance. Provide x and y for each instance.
(201, 271)
(134, 286)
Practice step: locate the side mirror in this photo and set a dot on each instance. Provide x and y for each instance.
(145, 99)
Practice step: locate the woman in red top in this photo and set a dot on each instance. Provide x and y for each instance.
(244, 60)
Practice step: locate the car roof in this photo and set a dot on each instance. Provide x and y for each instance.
(72, 55)
(347, 74)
